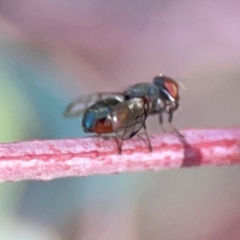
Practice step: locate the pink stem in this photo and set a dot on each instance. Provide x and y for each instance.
(49, 159)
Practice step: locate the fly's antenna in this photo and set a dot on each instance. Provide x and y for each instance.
(182, 85)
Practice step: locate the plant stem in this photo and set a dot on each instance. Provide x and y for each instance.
(49, 159)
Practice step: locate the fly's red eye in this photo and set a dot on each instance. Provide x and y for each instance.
(172, 88)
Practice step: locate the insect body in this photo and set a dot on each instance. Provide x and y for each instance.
(111, 113)
(124, 113)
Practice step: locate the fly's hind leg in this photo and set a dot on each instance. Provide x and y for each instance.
(119, 145)
(148, 139)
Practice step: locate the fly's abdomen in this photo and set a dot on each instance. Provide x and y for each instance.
(89, 121)
(97, 118)
(103, 126)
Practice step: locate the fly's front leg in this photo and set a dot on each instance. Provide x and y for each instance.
(160, 118)
(170, 117)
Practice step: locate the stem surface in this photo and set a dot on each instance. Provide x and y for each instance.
(49, 159)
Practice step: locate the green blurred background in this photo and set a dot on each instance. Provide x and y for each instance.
(53, 51)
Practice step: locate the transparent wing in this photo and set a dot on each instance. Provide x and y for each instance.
(128, 117)
(79, 105)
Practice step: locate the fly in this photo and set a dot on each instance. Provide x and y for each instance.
(124, 113)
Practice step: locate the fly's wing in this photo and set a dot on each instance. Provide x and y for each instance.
(128, 117)
(79, 105)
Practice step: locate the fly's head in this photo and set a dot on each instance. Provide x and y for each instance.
(168, 91)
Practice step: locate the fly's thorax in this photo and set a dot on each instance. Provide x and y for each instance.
(148, 91)
(156, 106)
(142, 89)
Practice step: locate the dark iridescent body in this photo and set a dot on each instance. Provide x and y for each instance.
(124, 113)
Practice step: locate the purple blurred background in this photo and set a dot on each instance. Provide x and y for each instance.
(53, 51)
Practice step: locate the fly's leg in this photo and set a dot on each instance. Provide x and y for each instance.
(170, 117)
(148, 139)
(160, 117)
(119, 145)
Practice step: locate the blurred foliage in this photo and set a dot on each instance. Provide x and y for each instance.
(14, 103)
(10, 194)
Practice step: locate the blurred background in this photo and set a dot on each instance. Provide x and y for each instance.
(53, 51)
